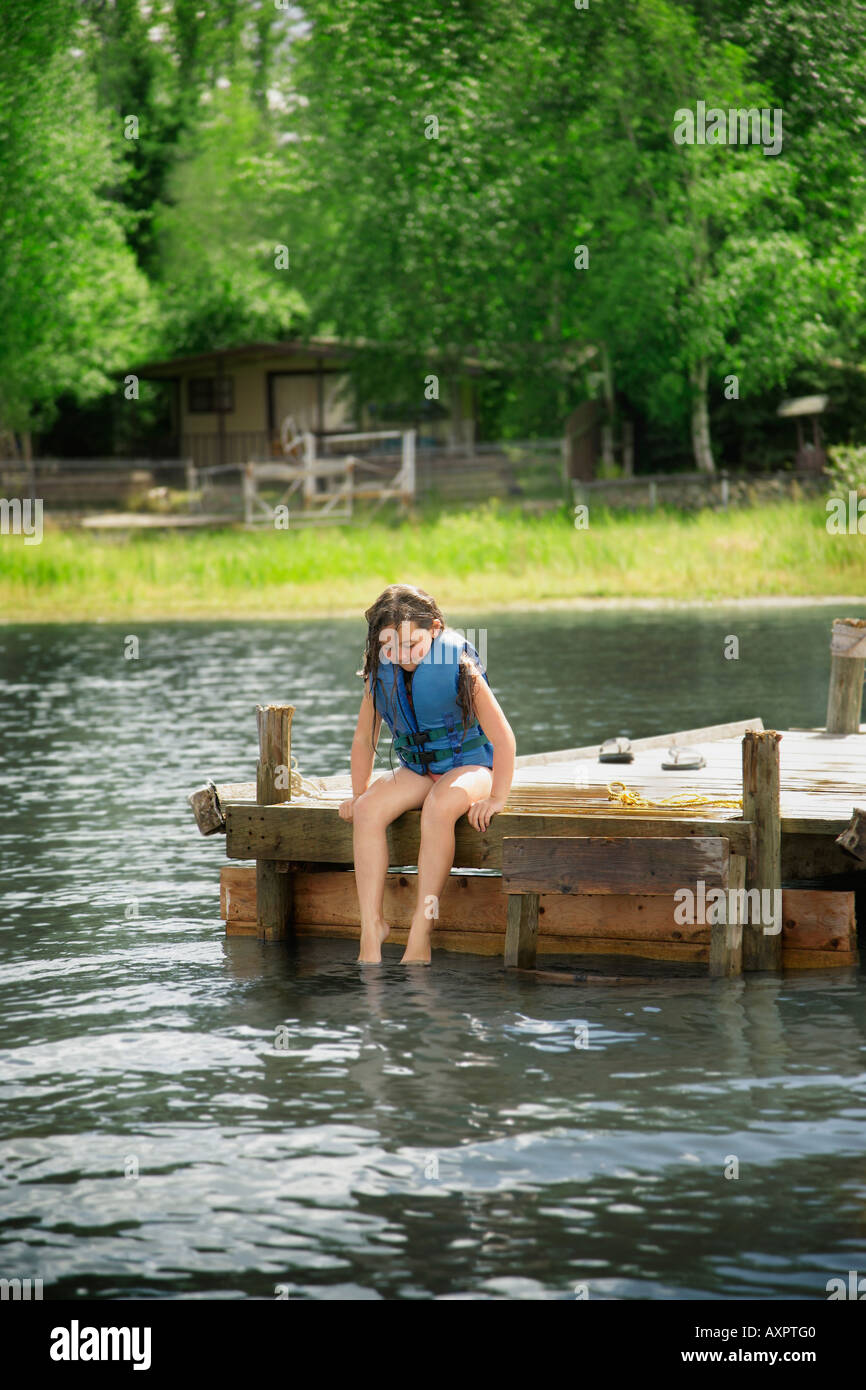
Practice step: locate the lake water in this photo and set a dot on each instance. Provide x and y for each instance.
(430, 1133)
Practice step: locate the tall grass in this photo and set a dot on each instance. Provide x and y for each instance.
(486, 556)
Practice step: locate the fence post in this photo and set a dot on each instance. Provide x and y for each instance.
(408, 498)
(725, 492)
(567, 490)
(191, 485)
(309, 464)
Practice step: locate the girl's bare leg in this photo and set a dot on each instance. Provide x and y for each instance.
(449, 799)
(372, 813)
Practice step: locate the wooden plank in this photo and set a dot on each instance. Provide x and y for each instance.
(490, 944)
(467, 903)
(630, 917)
(818, 920)
(707, 734)
(521, 932)
(237, 893)
(818, 960)
(593, 864)
(314, 832)
(811, 855)
(828, 826)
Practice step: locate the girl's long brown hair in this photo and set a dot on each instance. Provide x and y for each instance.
(395, 605)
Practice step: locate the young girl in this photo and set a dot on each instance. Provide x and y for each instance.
(455, 746)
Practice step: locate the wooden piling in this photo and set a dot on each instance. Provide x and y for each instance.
(521, 930)
(762, 950)
(847, 667)
(273, 787)
(726, 938)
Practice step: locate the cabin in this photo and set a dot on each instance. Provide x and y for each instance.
(227, 405)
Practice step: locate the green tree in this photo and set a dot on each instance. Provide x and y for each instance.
(221, 277)
(72, 301)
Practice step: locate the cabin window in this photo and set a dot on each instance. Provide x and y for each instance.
(208, 395)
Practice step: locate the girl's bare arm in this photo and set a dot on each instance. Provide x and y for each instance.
(364, 743)
(500, 733)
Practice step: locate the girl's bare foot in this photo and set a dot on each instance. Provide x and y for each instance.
(371, 944)
(417, 948)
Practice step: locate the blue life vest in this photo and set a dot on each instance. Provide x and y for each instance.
(430, 736)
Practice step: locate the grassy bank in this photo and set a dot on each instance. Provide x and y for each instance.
(482, 558)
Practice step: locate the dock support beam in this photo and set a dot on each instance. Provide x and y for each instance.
(273, 786)
(847, 666)
(521, 931)
(762, 939)
(726, 938)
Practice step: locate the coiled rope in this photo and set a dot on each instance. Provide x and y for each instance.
(626, 797)
(303, 786)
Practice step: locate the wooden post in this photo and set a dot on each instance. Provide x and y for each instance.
(762, 949)
(407, 472)
(726, 938)
(273, 786)
(248, 483)
(309, 465)
(521, 932)
(847, 665)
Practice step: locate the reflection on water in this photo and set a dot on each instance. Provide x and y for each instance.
(202, 1117)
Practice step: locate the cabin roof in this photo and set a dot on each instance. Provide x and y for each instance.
(322, 348)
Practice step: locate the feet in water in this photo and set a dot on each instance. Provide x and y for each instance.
(417, 947)
(370, 952)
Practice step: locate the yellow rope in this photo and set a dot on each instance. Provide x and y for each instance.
(302, 786)
(626, 797)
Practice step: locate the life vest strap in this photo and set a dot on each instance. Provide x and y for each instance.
(435, 735)
(446, 755)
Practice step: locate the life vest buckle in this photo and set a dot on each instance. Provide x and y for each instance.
(422, 736)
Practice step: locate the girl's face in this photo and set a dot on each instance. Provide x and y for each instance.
(407, 645)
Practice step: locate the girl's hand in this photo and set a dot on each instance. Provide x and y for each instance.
(481, 813)
(345, 808)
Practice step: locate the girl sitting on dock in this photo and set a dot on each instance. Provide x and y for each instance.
(455, 746)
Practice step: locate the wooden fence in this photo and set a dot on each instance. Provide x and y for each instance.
(696, 490)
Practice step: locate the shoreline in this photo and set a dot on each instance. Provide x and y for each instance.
(529, 606)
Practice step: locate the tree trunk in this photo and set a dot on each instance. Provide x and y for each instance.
(701, 445)
(27, 442)
(607, 455)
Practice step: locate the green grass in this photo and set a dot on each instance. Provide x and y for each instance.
(488, 556)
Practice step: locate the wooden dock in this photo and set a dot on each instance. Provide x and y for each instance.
(571, 868)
